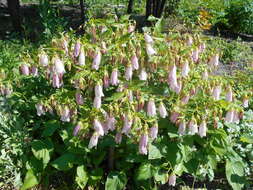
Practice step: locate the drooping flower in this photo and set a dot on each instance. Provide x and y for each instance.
(43, 59)
(172, 79)
(245, 103)
(24, 68)
(97, 102)
(135, 62)
(205, 75)
(130, 95)
(98, 127)
(34, 71)
(148, 38)
(178, 88)
(229, 116)
(65, 114)
(190, 41)
(162, 111)
(229, 95)
(185, 69)
(172, 179)
(151, 109)
(81, 58)
(185, 99)
(214, 60)
(127, 125)
(56, 81)
(236, 118)
(77, 128)
(143, 144)
(79, 98)
(153, 132)
(202, 129)
(40, 109)
(106, 80)
(77, 48)
(114, 77)
(99, 90)
(59, 66)
(150, 50)
(93, 140)
(103, 46)
(202, 47)
(216, 92)
(193, 127)
(143, 75)
(110, 122)
(174, 116)
(118, 138)
(182, 127)
(129, 72)
(96, 60)
(195, 55)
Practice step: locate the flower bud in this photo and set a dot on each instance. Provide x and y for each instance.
(81, 58)
(172, 179)
(153, 132)
(185, 69)
(143, 144)
(148, 38)
(24, 69)
(79, 98)
(135, 62)
(93, 140)
(162, 111)
(97, 102)
(217, 92)
(127, 125)
(174, 116)
(114, 77)
(202, 129)
(118, 138)
(129, 72)
(143, 75)
(98, 127)
(43, 59)
(182, 127)
(99, 91)
(40, 109)
(151, 109)
(77, 128)
(150, 50)
(65, 114)
(77, 48)
(96, 60)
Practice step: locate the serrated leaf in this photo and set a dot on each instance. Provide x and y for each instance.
(155, 151)
(116, 181)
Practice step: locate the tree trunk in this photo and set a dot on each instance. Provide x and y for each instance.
(148, 8)
(82, 10)
(161, 8)
(14, 6)
(130, 6)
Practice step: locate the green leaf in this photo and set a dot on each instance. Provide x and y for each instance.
(96, 176)
(81, 176)
(65, 162)
(235, 173)
(30, 180)
(144, 172)
(161, 175)
(155, 151)
(116, 181)
(41, 150)
(247, 139)
(50, 128)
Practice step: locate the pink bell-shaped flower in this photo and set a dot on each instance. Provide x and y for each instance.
(143, 144)
(24, 68)
(172, 179)
(40, 109)
(143, 75)
(229, 116)
(129, 72)
(77, 128)
(93, 140)
(114, 77)
(162, 111)
(185, 69)
(65, 114)
(216, 92)
(135, 62)
(98, 127)
(77, 48)
(127, 125)
(99, 90)
(153, 132)
(182, 127)
(97, 102)
(79, 98)
(43, 59)
(151, 109)
(97, 60)
(81, 58)
(202, 129)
